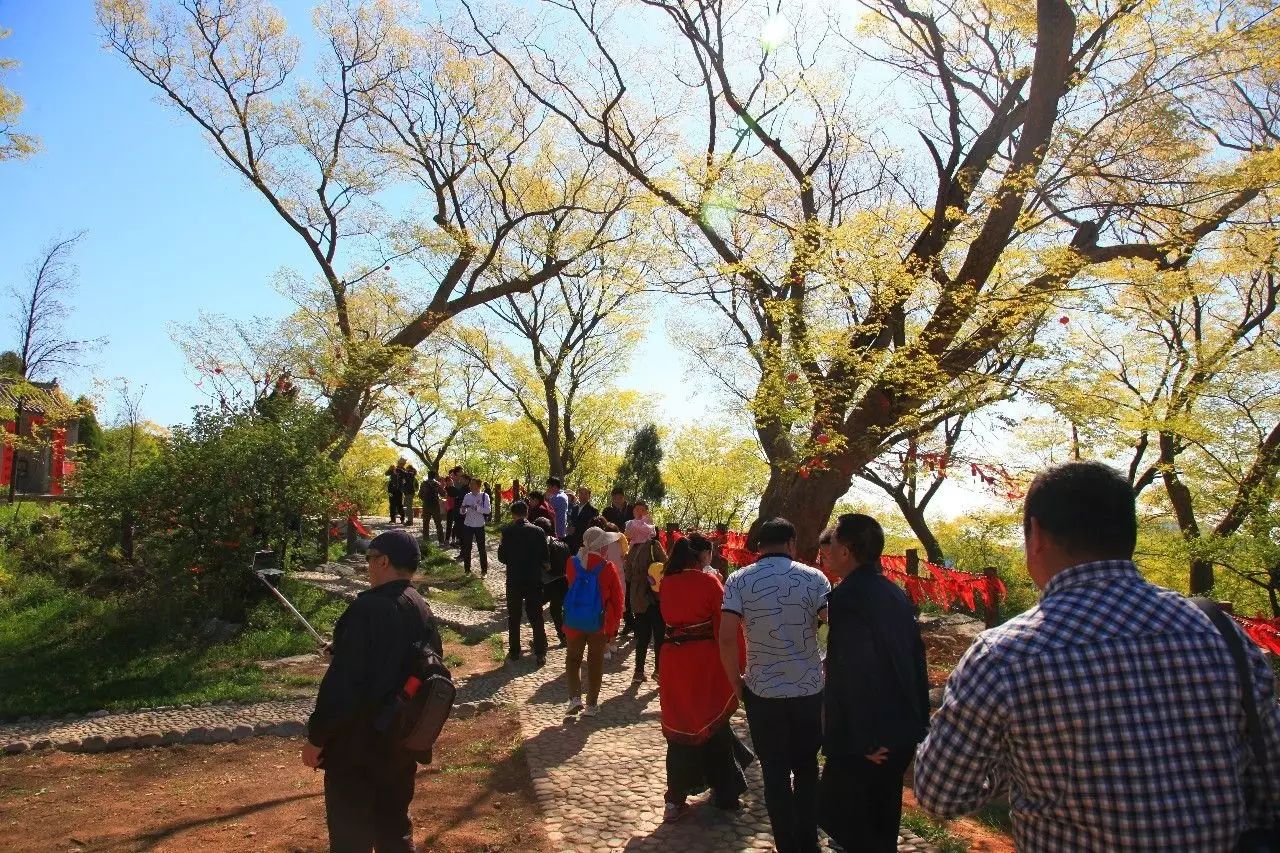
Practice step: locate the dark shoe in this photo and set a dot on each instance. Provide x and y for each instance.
(638, 678)
(728, 805)
(540, 661)
(674, 811)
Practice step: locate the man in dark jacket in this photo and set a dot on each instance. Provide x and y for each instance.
(618, 511)
(523, 550)
(581, 514)
(459, 486)
(555, 581)
(430, 492)
(368, 782)
(395, 489)
(409, 488)
(877, 696)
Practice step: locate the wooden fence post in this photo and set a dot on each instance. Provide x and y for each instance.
(913, 569)
(324, 539)
(351, 536)
(992, 598)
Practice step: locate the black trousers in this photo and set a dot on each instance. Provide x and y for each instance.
(554, 593)
(787, 734)
(476, 535)
(367, 807)
(452, 525)
(861, 802)
(528, 600)
(628, 618)
(649, 628)
(397, 505)
(429, 514)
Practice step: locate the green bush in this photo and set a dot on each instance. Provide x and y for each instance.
(211, 494)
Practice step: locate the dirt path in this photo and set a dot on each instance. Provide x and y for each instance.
(257, 796)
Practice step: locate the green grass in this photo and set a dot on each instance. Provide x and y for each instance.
(933, 832)
(63, 651)
(452, 637)
(996, 816)
(441, 578)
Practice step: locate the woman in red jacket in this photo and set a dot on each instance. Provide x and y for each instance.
(594, 542)
(697, 699)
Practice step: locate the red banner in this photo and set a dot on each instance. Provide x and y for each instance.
(1263, 631)
(942, 586)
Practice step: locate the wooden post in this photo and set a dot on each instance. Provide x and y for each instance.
(351, 536)
(913, 569)
(992, 599)
(323, 539)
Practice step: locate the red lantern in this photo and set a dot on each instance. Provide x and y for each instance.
(1064, 319)
(792, 376)
(823, 438)
(217, 370)
(387, 268)
(804, 471)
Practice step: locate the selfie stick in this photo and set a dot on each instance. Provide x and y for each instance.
(260, 574)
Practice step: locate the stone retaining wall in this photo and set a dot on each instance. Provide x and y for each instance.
(101, 731)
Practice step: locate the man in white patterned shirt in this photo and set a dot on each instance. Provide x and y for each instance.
(779, 603)
(1110, 714)
(474, 512)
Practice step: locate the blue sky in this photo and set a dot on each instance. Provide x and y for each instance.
(170, 230)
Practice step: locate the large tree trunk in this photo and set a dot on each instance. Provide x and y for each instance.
(1201, 577)
(806, 502)
(552, 436)
(920, 527)
(344, 411)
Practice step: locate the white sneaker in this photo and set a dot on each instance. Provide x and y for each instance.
(573, 706)
(591, 711)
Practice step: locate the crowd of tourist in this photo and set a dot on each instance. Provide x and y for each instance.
(1114, 715)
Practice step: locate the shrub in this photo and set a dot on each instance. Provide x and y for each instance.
(214, 492)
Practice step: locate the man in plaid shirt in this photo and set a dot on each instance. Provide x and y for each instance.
(1110, 715)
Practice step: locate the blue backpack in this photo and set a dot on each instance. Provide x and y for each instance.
(583, 603)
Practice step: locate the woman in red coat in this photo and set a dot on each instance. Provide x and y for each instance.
(697, 699)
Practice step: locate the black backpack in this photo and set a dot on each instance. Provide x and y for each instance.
(413, 718)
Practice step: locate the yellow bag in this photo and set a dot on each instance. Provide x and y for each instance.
(655, 576)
